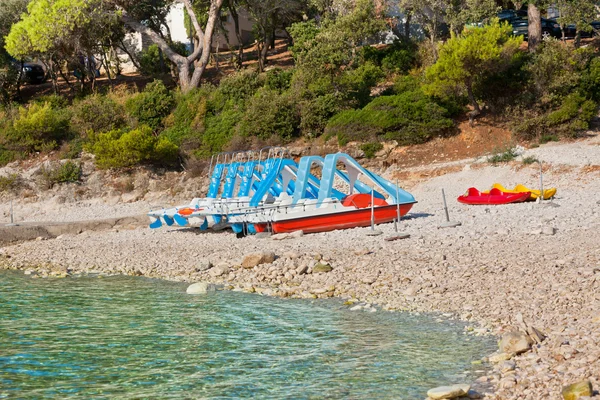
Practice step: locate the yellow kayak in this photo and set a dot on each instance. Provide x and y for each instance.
(548, 193)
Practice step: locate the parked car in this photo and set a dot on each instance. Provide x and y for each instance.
(571, 31)
(550, 28)
(32, 73)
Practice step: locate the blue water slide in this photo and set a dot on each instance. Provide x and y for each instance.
(215, 181)
(329, 171)
(303, 176)
(247, 178)
(230, 178)
(270, 180)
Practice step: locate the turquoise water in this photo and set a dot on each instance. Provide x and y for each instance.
(127, 338)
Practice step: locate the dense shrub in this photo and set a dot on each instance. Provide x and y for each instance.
(573, 116)
(370, 149)
(118, 149)
(409, 118)
(219, 131)
(569, 120)
(55, 101)
(60, 173)
(237, 88)
(398, 57)
(270, 114)
(97, 113)
(555, 70)
(153, 104)
(316, 112)
(186, 123)
(38, 127)
(153, 63)
(279, 79)
(590, 80)
(358, 83)
(10, 182)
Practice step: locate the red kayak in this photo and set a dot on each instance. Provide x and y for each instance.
(495, 196)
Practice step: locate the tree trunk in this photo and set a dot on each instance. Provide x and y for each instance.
(534, 30)
(201, 54)
(262, 56)
(238, 34)
(476, 109)
(577, 40)
(407, 25)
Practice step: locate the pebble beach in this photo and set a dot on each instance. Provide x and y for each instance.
(529, 269)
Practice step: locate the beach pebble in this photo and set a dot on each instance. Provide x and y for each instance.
(322, 268)
(252, 260)
(448, 392)
(200, 288)
(577, 390)
(514, 342)
(203, 265)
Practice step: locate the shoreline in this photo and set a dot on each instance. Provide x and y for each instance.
(509, 267)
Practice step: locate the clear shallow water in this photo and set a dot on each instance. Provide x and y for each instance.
(126, 337)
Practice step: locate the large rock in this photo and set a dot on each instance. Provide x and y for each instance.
(577, 390)
(203, 265)
(448, 392)
(200, 288)
(218, 271)
(515, 342)
(254, 259)
(322, 268)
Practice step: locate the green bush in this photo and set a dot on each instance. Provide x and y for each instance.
(529, 160)
(150, 59)
(398, 57)
(61, 173)
(548, 138)
(357, 83)
(55, 101)
(119, 149)
(10, 182)
(409, 118)
(503, 156)
(573, 117)
(279, 79)
(555, 70)
(236, 88)
(370, 149)
(97, 113)
(269, 114)
(315, 112)
(152, 105)
(187, 122)
(590, 80)
(38, 127)
(219, 131)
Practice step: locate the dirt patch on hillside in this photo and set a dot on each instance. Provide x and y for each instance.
(487, 135)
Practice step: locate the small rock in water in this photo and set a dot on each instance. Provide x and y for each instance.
(577, 390)
(200, 288)
(514, 342)
(497, 357)
(448, 392)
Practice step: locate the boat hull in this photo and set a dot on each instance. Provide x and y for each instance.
(339, 220)
(493, 197)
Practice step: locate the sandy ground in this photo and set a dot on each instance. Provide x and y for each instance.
(530, 262)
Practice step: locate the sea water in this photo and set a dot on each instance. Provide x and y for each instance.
(122, 337)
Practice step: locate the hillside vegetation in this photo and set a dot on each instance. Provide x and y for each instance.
(339, 88)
